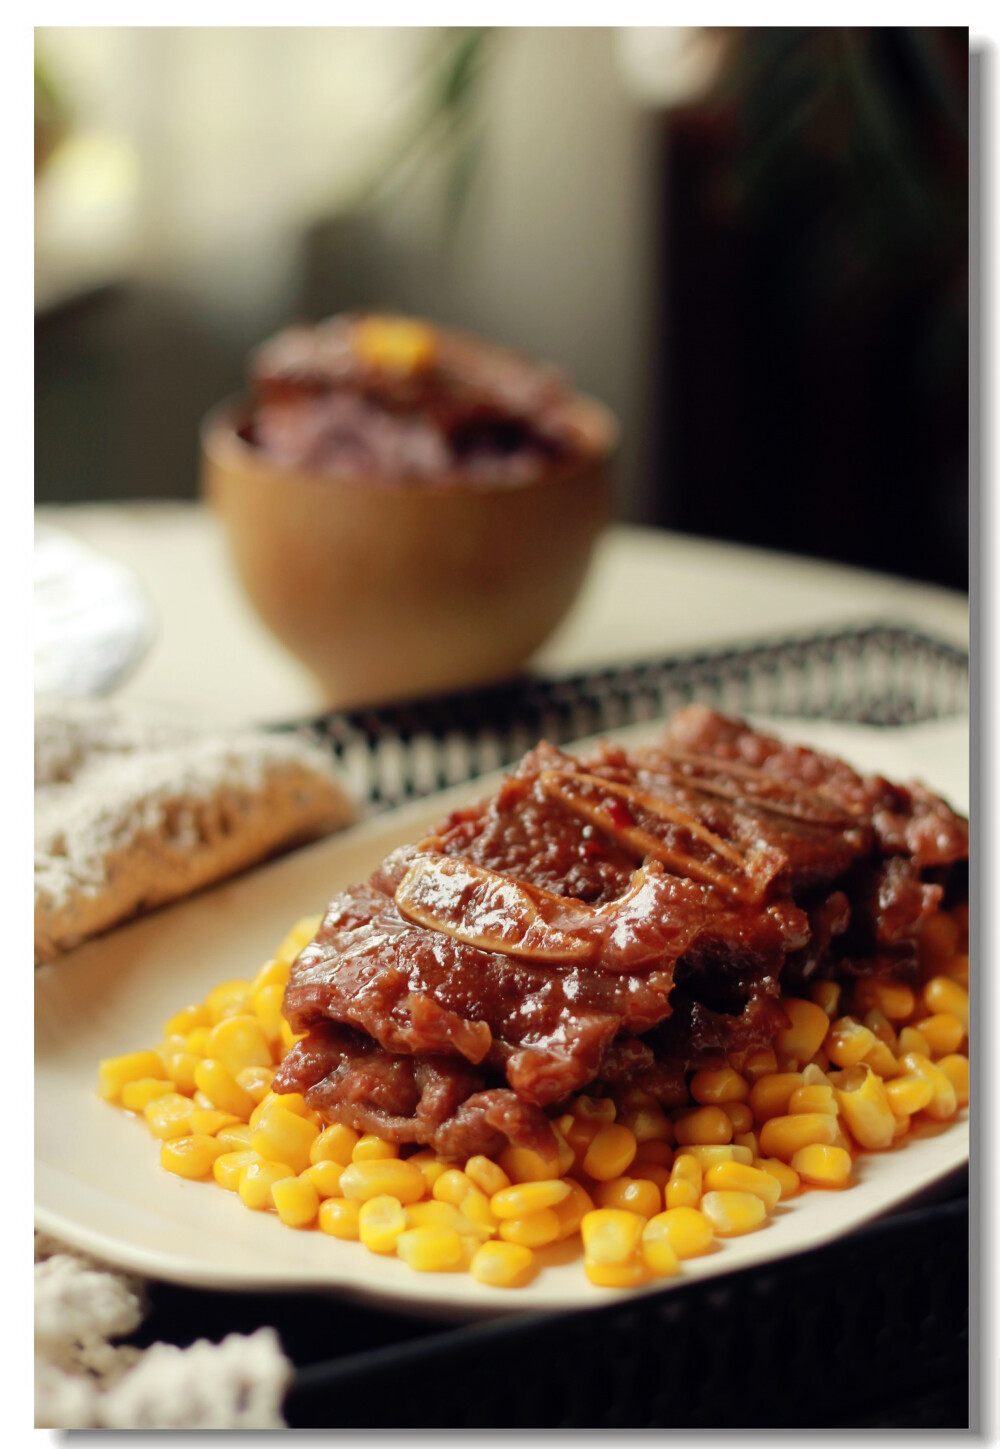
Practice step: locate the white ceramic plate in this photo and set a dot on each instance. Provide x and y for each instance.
(98, 1182)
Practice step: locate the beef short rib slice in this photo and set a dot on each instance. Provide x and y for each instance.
(607, 921)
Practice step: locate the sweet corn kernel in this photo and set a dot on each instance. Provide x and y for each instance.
(657, 1251)
(956, 1069)
(135, 1095)
(808, 1027)
(849, 1042)
(229, 998)
(740, 1115)
(452, 1186)
(190, 1156)
(748, 1141)
(527, 1198)
(813, 1098)
(197, 1042)
(180, 1069)
(185, 1020)
(570, 1212)
(633, 1194)
(911, 1040)
(945, 996)
(334, 1144)
(901, 1128)
(272, 973)
(227, 1169)
(648, 1124)
(864, 1107)
(257, 1180)
(782, 1137)
(629, 1274)
(611, 1235)
(282, 1136)
(203, 1103)
(881, 1060)
(820, 1060)
(943, 1033)
(238, 1042)
(430, 1213)
(944, 1100)
(894, 999)
(737, 1177)
(823, 1166)
(908, 1095)
(733, 1213)
(169, 1116)
(210, 1123)
(296, 1201)
(266, 1003)
(594, 1109)
(390, 1176)
(760, 1063)
(877, 1022)
(380, 1223)
(256, 1081)
(324, 1176)
(708, 1156)
(486, 1175)
(718, 1087)
(579, 1134)
(770, 1096)
(338, 1216)
(611, 1153)
(288, 1038)
(688, 1231)
(786, 1177)
(521, 1164)
(826, 995)
(434, 1250)
(370, 1148)
(531, 1232)
(502, 1265)
(430, 1167)
(475, 1206)
(704, 1127)
(684, 1187)
(235, 1138)
(222, 1089)
(299, 936)
(114, 1072)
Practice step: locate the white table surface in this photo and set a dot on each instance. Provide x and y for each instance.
(649, 592)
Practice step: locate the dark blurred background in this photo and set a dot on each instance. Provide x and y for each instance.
(751, 243)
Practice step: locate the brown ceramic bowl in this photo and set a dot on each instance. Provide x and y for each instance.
(390, 590)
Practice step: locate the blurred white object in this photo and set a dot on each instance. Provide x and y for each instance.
(92, 619)
(84, 1379)
(671, 65)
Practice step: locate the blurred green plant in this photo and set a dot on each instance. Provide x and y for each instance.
(52, 115)
(445, 125)
(854, 142)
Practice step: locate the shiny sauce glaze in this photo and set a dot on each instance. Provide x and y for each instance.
(607, 922)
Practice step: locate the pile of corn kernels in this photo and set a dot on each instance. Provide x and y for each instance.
(644, 1185)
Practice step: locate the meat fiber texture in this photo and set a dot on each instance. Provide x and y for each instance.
(134, 809)
(611, 920)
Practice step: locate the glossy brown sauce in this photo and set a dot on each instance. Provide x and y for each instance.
(607, 922)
